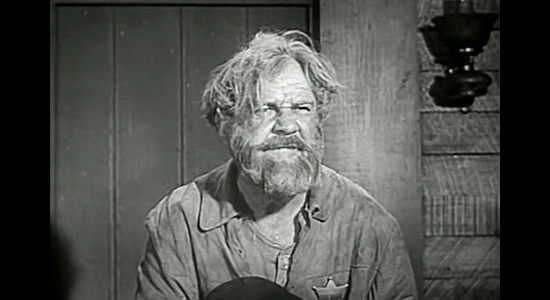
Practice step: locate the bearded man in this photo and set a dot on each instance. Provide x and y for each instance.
(273, 211)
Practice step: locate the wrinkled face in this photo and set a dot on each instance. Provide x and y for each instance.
(281, 145)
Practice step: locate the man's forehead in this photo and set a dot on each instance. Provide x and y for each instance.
(285, 69)
(289, 82)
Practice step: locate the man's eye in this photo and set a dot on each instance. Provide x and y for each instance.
(262, 109)
(269, 109)
(265, 111)
(304, 108)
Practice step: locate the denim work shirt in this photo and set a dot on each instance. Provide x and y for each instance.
(201, 236)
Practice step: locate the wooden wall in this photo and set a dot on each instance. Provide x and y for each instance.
(461, 178)
(373, 133)
(126, 125)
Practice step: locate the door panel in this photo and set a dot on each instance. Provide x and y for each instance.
(84, 162)
(211, 36)
(148, 105)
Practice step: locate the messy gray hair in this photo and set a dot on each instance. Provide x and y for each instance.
(234, 86)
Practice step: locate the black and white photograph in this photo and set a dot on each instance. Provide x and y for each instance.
(284, 149)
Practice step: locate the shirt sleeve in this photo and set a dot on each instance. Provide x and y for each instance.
(167, 270)
(394, 277)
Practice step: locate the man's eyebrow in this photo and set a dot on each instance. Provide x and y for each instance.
(295, 104)
(304, 102)
(304, 90)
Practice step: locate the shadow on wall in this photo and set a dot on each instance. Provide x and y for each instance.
(62, 270)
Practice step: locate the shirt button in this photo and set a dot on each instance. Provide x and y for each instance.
(284, 261)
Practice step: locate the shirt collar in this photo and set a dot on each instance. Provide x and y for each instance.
(221, 200)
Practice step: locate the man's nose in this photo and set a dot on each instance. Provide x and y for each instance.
(285, 124)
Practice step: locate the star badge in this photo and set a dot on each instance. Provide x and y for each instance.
(331, 290)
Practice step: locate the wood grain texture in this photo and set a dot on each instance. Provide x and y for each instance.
(449, 133)
(486, 103)
(277, 18)
(83, 144)
(147, 52)
(489, 59)
(372, 135)
(460, 175)
(427, 9)
(467, 288)
(210, 36)
(462, 257)
(461, 215)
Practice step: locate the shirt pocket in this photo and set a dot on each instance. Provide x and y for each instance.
(332, 286)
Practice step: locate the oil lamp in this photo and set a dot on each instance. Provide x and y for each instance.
(454, 40)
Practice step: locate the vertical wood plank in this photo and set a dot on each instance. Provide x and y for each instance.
(438, 219)
(373, 133)
(84, 94)
(277, 18)
(427, 212)
(448, 214)
(53, 39)
(466, 226)
(210, 36)
(148, 103)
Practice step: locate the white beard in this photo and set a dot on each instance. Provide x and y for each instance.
(281, 172)
(287, 175)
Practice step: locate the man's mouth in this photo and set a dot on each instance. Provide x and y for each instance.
(291, 143)
(289, 147)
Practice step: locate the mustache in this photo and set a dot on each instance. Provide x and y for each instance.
(278, 142)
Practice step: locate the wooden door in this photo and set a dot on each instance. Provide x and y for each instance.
(126, 122)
